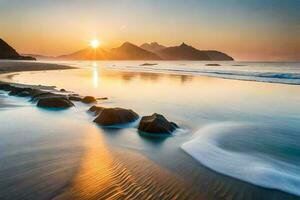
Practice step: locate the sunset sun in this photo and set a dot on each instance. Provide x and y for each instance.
(95, 43)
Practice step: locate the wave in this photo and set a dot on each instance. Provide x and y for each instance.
(248, 74)
(256, 168)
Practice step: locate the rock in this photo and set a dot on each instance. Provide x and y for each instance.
(75, 98)
(115, 116)
(42, 94)
(15, 91)
(62, 90)
(157, 124)
(102, 98)
(212, 64)
(54, 102)
(5, 87)
(89, 99)
(24, 93)
(148, 64)
(96, 110)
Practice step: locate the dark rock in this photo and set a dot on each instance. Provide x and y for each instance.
(148, 64)
(115, 116)
(42, 94)
(157, 124)
(213, 64)
(5, 87)
(96, 110)
(75, 98)
(54, 102)
(89, 99)
(102, 98)
(62, 90)
(15, 91)
(24, 93)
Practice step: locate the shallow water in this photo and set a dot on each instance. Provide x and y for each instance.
(244, 129)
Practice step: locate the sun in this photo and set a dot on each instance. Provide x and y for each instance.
(95, 43)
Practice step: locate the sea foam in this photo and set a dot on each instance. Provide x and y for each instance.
(253, 168)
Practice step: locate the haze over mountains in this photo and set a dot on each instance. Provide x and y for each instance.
(152, 51)
(153, 47)
(127, 51)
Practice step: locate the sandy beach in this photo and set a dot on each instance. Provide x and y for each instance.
(76, 159)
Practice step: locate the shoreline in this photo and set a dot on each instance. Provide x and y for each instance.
(12, 67)
(21, 66)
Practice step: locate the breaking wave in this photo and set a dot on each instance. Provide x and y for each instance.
(235, 149)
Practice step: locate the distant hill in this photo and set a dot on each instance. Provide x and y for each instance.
(217, 55)
(39, 57)
(152, 47)
(182, 52)
(129, 51)
(152, 51)
(87, 54)
(7, 52)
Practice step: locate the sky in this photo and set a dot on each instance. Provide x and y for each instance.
(245, 29)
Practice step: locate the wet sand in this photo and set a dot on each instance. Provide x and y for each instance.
(19, 66)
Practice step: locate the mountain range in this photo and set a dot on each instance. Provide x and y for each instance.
(127, 51)
(146, 51)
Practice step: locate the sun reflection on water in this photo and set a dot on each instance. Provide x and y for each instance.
(95, 75)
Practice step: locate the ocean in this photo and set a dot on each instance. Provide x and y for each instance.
(239, 123)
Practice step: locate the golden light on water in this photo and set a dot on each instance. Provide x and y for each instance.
(95, 75)
(95, 43)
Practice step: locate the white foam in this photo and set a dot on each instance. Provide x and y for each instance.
(258, 170)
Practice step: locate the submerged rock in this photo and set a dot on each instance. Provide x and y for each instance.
(114, 116)
(157, 124)
(89, 99)
(54, 102)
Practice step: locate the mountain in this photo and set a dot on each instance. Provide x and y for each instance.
(217, 55)
(182, 52)
(152, 47)
(87, 54)
(129, 51)
(7, 52)
(39, 57)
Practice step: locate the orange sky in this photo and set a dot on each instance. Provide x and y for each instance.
(252, 30)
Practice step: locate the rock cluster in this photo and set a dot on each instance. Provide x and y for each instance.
(155, 124)
(46, 99)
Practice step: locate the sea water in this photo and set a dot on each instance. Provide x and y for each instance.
(246, 129)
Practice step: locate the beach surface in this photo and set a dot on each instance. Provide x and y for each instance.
(64, 155)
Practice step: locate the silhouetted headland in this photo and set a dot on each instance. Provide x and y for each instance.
(9, 53)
